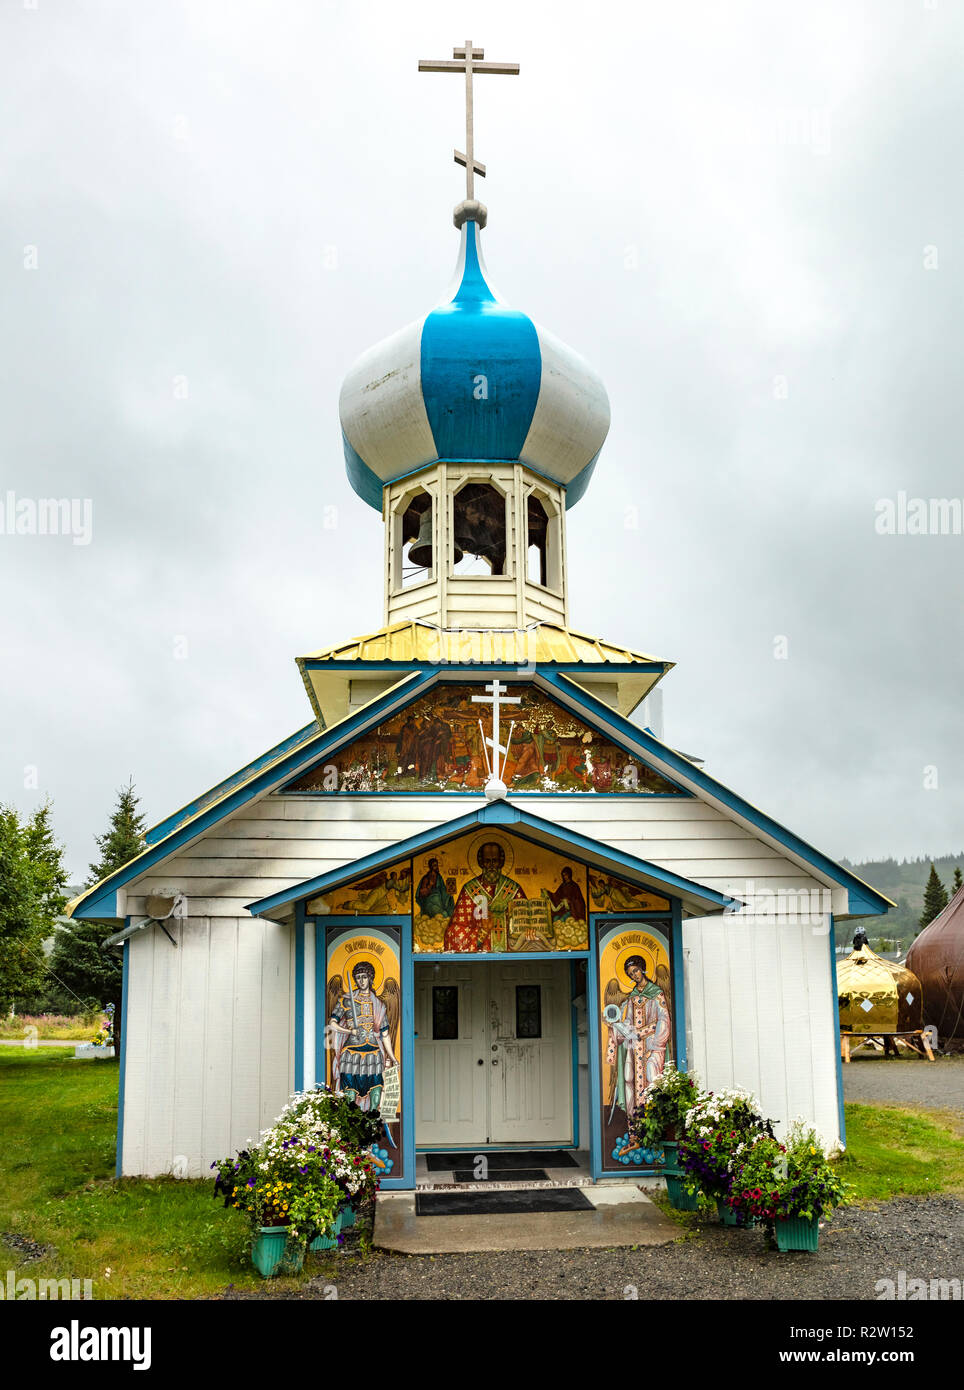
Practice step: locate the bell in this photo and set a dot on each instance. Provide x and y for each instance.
(420, 552)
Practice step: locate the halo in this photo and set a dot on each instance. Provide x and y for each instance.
(626, 954)
(343, 962)
(484, 837)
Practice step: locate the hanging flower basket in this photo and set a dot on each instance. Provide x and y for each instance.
(796, 1233)
(273, 1251)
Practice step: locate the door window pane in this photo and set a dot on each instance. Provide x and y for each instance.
(445, 1013)
(528, 1011)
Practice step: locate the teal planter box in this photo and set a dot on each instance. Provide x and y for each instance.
(671, 1156)
(273, 1252)
(797, 1233)
(331, 1242)
(679, 1198)
(347, 1218)
(729, 1217)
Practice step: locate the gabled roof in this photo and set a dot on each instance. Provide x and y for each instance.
(695, 897)
(287, 759)
(327, 673)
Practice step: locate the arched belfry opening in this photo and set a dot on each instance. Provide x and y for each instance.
(479, 530)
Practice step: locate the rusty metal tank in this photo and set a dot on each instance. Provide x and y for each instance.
(937, 959)
(877, 996)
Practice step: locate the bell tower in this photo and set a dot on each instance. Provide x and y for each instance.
(473, 430)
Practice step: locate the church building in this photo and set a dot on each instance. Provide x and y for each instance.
(473, 890)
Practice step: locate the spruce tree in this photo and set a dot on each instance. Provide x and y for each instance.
(935, 898)
(84, 970)
(123, 839)
(958, 881)
(32, 880)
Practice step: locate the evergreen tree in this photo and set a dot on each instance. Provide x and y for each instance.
(32, 880)
(123, 839)
(935, 898)
(958, 881)
(83, 968)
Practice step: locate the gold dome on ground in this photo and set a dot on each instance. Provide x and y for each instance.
(876, 996)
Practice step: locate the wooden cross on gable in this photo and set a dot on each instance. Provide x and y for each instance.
(468, 60)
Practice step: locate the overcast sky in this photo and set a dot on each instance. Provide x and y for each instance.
(748, 216)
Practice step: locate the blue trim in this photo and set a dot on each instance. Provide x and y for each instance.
(407, 1051)
(104, 904)
(836, 1026)
(299, 997)
(498, 813)
(122, 1080)
(574, 1048)
(321, 981)
(593, 1032)
(866, 896)
(164, 827)
(437, 1148)
(456, 957)
(352, 919)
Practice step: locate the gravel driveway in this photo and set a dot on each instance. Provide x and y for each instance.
(879, 1079)
(922, 1236)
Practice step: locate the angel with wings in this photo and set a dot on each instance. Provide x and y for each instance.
(364, 1029)
(639, 1032)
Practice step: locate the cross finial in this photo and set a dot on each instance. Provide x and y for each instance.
(468, 60)
(495, 788)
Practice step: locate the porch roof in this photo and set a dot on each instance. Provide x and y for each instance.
(696, 899)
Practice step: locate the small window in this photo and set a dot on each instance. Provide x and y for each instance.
(528, 1011)
(445, 1013)
(537, 562)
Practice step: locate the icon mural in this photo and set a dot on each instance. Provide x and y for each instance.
(490, 891)
(436, 744)
(363, 1011)
(636, 1015)
(386, 893)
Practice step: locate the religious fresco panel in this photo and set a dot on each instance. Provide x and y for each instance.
(607, 893)
(491, 891)
(436, 744)
(636, 1020)
(384, 893)
(363, 1005)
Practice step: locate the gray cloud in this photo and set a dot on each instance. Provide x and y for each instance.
(229, 202)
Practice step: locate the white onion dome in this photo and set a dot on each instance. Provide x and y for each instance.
(472, 380)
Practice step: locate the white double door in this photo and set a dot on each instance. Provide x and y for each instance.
(493, 1053)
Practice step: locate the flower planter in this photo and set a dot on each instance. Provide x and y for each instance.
(679, 1198)
(274, 1252)
(797, 1233)
(93, 1050)
(671, 1156)
(729, 1217)
(348, 1217)
(322, 1242)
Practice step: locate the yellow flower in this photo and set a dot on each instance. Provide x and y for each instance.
(812, 1149)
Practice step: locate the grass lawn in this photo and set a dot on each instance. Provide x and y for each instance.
(165, 1238)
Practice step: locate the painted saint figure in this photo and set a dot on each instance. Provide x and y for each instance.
(432, 895)
(364, 1027)
(483, 898)
(639, 1033)
(567, 899)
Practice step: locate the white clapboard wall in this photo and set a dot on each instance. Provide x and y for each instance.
(210, 1043)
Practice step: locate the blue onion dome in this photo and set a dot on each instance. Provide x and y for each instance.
(472, 380)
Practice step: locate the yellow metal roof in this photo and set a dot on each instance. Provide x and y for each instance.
(544, 643)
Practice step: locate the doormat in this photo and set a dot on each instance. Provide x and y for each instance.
(503, 1175)
(507, 1159)
(501, 1203)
